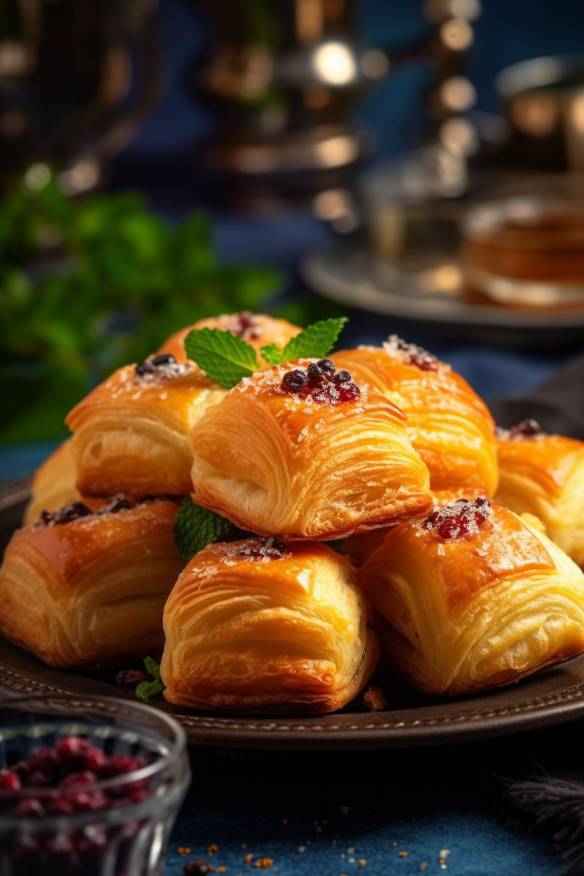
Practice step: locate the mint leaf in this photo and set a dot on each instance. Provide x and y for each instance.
(150, 688)
(152, 667)
(315, 342)
(195, 528)
(272, 354)
(223, 356)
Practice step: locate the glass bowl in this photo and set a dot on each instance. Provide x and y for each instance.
(98, 785)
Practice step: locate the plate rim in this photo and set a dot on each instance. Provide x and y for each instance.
(389, 730)
(339, 287)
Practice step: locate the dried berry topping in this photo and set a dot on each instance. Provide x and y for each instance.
(525, 429)
(412, 354)
(162, 365)
(461, 519)
(66, 514)
(130, 677)
(262, 549)
(294, 381)
(322, 383)
(246, 326)
(117, 504)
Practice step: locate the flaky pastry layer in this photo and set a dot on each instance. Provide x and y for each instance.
(277, 464)
(448, 424)
(273, 634)
(471, 613)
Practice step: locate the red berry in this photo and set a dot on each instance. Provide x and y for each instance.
(88, 801)
(44, 759)
(9, 781)
(121, 765)
(30, 808)
(72, 749)
(92, 839)
(60, 806)
(95, 760)
(82, 778)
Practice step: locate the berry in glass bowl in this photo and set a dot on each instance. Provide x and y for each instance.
(88, 786)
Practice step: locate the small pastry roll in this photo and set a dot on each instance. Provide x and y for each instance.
(81, 588)
(544, 475)
(262, 626)
(472, 597)
(307, 457)
(53, 484)
(257, 329)
(448, 424)
(131, 432)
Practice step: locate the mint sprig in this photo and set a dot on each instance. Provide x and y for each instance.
(195, 528)
(224, 357)
(315, 342)
(154, 685)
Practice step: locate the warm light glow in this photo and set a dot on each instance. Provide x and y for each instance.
(535, 114)
(334, 63)
(457, 93)
(456, 34)
(458, 136)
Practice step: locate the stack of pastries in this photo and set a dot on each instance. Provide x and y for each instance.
(362, 488)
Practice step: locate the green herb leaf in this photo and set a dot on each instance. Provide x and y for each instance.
(150, 688)
(223, 356)
(272, 354)
(152, 667)
(316, 341)
(195, 528)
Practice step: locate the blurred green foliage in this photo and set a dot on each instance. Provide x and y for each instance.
(86, 286)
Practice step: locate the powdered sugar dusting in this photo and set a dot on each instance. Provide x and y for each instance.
(460, 519)
(411, 354)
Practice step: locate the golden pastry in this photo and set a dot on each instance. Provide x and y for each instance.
(305, 453)
(544, 475)
(257, 329)
(360, 547)
(259, 625)
(131, 432)
(448, 424)
(82, 588)
(53, 484)
(472, 597)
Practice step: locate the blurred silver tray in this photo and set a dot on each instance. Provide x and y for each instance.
(353, 275)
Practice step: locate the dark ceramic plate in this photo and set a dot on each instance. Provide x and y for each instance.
(552, 697)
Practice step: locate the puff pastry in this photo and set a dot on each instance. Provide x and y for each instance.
(258, 329)
(82, 588)
(131, 432)
(307, 464)
(258, 625)
(472, 597)
(448, 424)
(53, 484)
(544, 475)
